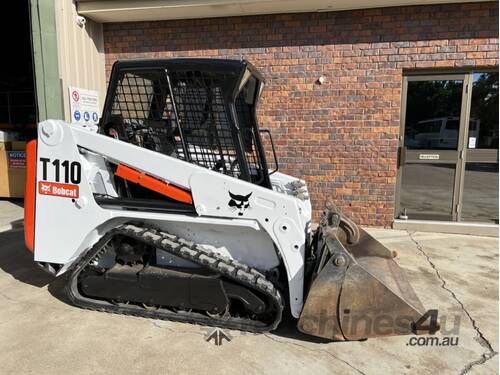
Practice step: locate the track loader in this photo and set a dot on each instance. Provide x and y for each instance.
(168, 210)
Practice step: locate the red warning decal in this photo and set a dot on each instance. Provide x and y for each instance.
(57, 189)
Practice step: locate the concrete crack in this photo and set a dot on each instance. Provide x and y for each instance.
(481, 339)
(315, 351)
(7, 297)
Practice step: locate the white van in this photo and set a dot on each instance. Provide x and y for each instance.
(439, 132)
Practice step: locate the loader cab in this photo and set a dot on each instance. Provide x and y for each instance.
(198, 110)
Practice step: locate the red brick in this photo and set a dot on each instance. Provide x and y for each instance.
(341, 136)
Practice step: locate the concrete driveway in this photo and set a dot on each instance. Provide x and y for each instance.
(41, 333)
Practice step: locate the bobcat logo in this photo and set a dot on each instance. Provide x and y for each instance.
(239, 202)
(45, 188)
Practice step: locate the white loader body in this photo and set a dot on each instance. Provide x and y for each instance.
(274, 226)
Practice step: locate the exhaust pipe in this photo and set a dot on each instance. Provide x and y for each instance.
(358, 291)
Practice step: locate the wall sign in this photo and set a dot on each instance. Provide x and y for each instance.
(84, 106)
(17, 159)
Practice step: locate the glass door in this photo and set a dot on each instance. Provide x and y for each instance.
(429, 146)
(480, 173)
(448, 154)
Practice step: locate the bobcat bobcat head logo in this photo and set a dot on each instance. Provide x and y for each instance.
(239, 202)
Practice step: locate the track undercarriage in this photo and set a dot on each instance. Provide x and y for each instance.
(120, 275)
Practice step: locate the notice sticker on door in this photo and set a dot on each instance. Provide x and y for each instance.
(428, 156)
(472, 142)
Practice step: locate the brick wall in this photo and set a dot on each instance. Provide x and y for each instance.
(341, 136)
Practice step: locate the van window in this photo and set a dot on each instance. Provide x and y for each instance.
(428, 127)
(452, 125)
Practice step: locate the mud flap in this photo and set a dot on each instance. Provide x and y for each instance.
(358, 290)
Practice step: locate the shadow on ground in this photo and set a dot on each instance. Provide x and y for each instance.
(288, 329)
(17, 260)
(18, 225)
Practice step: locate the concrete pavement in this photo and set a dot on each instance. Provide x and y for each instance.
(11, 214)
(41, 333)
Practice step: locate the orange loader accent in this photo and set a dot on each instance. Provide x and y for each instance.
(30, 196)
(154, 184)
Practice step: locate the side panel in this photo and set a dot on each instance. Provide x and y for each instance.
(278, 214)
(194, 228)
(62, 219)
(246, 244)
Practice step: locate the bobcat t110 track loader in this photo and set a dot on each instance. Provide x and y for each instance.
(168, 210)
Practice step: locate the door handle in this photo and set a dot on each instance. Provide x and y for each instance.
(401, 156)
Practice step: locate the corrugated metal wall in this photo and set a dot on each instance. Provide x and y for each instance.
(80, 53)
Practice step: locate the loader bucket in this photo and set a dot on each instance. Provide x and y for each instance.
(359, 291)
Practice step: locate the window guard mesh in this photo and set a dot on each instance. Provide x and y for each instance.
(199, 129)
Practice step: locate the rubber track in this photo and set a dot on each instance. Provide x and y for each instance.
(190, 251)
